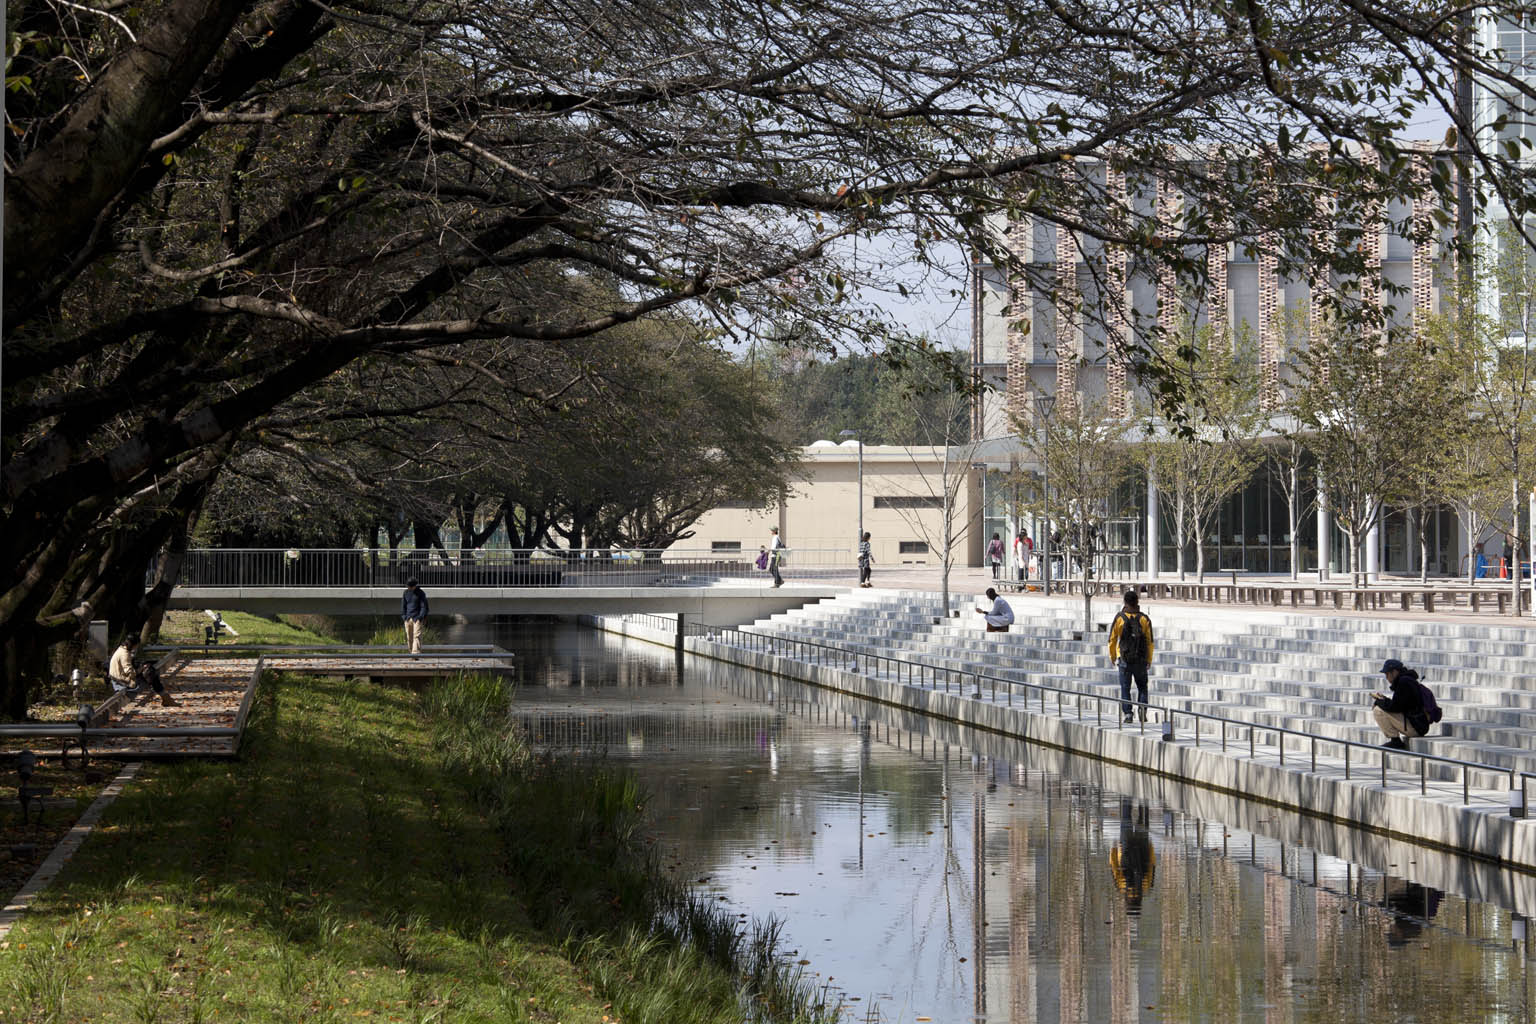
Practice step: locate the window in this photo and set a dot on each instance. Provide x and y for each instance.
(910, 501)
(914, 547)
(739, 503)
(719, 546)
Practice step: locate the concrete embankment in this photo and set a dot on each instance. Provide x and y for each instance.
(1472, 822)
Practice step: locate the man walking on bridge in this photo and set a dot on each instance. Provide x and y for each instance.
(413, 609)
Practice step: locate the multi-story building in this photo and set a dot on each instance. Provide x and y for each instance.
(1049, 326)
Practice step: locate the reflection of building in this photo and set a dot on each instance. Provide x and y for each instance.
(904, 492)
(1061, 324)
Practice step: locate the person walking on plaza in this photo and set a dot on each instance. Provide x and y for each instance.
(1023, 553)
(865, 560)
(995, 555)
(413, 610)
(1000, 616)
(1402, 715)
(1130, 648)
(775, 547)
(126, 674)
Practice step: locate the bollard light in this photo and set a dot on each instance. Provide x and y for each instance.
(1517, 802)
(1517, 928)
(1167, 730)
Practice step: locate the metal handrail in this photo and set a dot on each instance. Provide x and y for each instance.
(1515, 776)
(387, 568)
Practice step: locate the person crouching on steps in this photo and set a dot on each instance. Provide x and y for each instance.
(1401, 715)
(1000, 616)
(1130, 648)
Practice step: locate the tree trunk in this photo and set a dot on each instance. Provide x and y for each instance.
(171, 558)
(1290, 509)
(1423, 551)
(1082, 547)
(1512, 555)
(1471, 527)
(1178, 515)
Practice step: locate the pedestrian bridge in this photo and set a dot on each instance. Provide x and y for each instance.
(710, 587)
(714, 604)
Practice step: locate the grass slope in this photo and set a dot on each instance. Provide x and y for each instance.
(363, 861)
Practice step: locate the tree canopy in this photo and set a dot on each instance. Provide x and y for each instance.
(213, 207)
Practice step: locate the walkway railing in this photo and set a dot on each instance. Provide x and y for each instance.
(1208, 728)
(523, 567)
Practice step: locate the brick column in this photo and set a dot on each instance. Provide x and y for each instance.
(1021, 305)
(1425, 249)
(1170, 307)
(1069, 343)
(1269, 328)
(1119, 310)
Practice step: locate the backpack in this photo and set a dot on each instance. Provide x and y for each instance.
(1431, 706)
(1133, 641)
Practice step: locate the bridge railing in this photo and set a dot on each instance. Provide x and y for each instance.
(497, 567)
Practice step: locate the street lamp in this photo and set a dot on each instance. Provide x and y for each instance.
(1044, 406)
(855, 434)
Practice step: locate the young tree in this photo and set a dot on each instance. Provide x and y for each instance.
(941, 422)
(1087, 453)
(1498, 353)
(1204, 450)
(1350, 400)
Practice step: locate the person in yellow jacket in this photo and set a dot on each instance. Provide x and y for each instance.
(1130, 648)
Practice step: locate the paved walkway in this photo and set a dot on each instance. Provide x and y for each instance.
(976, 579)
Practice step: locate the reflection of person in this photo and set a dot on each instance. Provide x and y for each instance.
(413, 610)
(775, 546)
(865, 560)
(1000, 616)
(127, 674)
(1132, 861)
(1412, 906)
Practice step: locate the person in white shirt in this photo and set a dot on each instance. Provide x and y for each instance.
(775, 546)
(126, 675)
(1000, 617)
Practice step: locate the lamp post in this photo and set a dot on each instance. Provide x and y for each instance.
(855, 434)
(1044, 406)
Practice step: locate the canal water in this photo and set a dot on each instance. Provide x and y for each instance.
(926, 872)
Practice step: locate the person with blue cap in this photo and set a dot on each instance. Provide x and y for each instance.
(1401, 714)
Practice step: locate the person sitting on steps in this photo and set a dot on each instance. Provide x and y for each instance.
(1400, 715)
(126, 674)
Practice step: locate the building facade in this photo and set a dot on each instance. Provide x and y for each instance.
(1064, 320)
(907, 493)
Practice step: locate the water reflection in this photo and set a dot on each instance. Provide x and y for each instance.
(927, 871)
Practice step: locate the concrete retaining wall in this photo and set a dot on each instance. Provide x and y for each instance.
(1438, 820)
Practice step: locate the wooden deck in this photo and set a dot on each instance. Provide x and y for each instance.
(213, 692)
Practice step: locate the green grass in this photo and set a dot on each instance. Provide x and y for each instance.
(358, 865)
(187, 628)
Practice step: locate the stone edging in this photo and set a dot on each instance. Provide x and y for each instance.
(65, 849)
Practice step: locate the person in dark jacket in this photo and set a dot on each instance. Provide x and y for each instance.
(413, 610)
(1400, 715)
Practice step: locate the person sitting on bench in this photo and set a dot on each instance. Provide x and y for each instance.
(1000, 617)
(126, 674)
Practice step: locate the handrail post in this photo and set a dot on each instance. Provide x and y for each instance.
(1314, 755)
(1347, 748)
(1423, 776)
